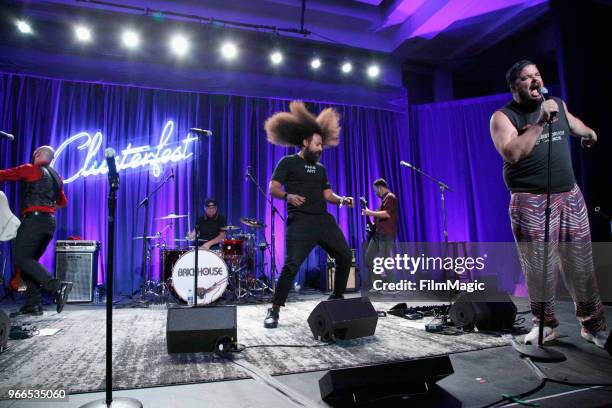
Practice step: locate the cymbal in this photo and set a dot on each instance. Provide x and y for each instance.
(149, 237)
(188, 240)
(171, 216)
(229, 228)
(252, 222)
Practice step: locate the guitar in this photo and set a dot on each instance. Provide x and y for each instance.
(370, 226)
(9, 224)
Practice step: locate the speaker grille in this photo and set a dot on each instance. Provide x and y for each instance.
(80, 268)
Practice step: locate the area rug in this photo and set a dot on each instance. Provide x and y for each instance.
(73, 359)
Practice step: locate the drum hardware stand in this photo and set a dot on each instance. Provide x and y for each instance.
(145, 269)
(273, 212)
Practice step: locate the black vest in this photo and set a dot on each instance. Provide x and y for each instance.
(530, 173)
(42, 192)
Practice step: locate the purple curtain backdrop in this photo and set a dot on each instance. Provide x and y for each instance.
(451, 142)
(48, 111)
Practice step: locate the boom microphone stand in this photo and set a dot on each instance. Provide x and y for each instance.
(195, 191)
(273, 212)
(113, 178)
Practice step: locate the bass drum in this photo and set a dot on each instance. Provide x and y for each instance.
(212, 279)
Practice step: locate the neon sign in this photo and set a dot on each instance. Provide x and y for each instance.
(130, 158)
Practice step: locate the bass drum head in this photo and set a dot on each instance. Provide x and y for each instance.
(212, 279)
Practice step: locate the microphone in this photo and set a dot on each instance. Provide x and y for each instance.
(113, 176)
(546, 96)
(7, 136)
(248, 173)
(171, 173)
(405, 164)
(201, 132)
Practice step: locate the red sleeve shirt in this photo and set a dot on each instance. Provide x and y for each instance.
(30, 172)
(388, 226)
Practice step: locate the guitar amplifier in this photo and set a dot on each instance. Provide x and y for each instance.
(351, 284)
(77, 262)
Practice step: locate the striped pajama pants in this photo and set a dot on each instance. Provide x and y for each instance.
(569, 253)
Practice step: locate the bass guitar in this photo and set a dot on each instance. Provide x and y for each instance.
(370, 226)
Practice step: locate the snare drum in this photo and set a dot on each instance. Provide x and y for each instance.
(212, 278)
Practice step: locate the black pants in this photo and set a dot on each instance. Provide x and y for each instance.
(33, 236)
(302, 233)
(379, 246)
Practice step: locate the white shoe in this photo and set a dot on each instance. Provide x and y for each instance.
(532, 337)
(599, 338)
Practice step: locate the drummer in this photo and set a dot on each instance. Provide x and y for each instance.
(210, 226)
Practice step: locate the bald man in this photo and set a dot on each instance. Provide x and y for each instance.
(41, 193)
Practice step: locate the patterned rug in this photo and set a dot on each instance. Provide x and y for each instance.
(73, 358)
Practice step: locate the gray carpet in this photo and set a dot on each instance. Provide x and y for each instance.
(73, 359)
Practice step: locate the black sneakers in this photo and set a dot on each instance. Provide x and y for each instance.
(34, 310)
(271, 321)
(61, 296)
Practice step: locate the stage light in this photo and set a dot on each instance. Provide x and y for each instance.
(179, 45)
(373, 71)
(315, 63)
(24, 27)
(276, 57)
(130, 39)
(347, 67)
(229, 50)
(82, 33)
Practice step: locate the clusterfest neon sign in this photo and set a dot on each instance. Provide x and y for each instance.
(130, 158)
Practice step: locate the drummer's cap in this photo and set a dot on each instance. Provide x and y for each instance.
(210, 201)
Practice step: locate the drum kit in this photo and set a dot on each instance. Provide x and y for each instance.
(234, 272)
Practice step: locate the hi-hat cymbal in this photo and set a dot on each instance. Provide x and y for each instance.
(171, 216)
(252, 222)
(229, 228)
(148, 237)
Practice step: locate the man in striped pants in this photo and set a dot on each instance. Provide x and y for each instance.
(520, 133)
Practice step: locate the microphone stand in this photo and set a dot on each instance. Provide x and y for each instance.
(195, 190)
(273, 212)
(146, 259)
(110, 257)
(539, 352)
(443, 187)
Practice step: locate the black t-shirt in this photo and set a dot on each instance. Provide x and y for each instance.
(211, 227)
(530, 173)
(305, 179)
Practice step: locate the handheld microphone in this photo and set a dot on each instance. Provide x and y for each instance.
(406, 164)
(201, 132)
(546, 96)
(113, 175)
(7, 136)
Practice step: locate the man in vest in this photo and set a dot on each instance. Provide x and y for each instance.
(41, 193)
(520, 134)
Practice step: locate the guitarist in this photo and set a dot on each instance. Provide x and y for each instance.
(385, 228)
(41, 193)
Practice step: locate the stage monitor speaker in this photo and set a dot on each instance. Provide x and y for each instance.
(77, 262)
(5, 329)
(343, 319)
(377, 385)
(495, 312)
(198, 329)
(608, 345)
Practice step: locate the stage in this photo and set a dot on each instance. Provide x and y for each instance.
(73, 359)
